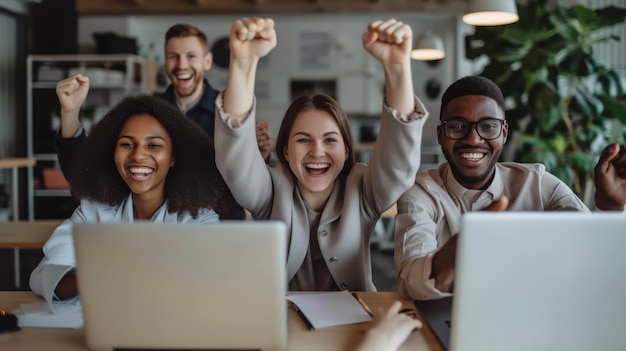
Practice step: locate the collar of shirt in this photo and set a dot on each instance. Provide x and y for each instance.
(207, 100)
(192, 105)
(477, 198)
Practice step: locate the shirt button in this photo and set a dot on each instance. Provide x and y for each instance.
(324, 233)
(344, 286)
(333, 259)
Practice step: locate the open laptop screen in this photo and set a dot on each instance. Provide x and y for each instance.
(183, 286)
(540, 281)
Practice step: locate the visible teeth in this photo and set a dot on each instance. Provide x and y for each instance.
(184, 76)
(317, 165)
(143, 170)
(472, 155)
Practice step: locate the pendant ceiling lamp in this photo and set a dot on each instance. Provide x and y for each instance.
(428, 47)
(491, 12)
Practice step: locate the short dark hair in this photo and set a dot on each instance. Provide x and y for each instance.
(183, 30)
(321, 102)
(192, 183)
(472, 85)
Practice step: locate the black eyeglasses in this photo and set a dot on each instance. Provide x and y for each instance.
(487, 128)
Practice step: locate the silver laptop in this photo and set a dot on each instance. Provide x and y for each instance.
(183, 286)
(540, 281)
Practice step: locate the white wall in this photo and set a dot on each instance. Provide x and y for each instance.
(359, 77)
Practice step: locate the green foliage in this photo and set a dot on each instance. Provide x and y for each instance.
(559, 97)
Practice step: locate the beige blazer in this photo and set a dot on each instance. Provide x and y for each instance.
(355, 205)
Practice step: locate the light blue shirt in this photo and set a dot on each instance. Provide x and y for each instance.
(59, 257)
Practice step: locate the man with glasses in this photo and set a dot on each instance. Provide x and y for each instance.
(472, 131)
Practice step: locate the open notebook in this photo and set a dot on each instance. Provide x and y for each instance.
(183, 286)
(536, 281)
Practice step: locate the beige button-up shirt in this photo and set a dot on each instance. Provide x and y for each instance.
(429, 214)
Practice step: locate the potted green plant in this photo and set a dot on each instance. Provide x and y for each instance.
(563, 104)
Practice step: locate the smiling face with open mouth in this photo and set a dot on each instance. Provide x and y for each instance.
(316, 153)
(186, 61)
(472, 158)
(144, 155)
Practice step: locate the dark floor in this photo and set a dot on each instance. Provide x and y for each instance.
(384, 273)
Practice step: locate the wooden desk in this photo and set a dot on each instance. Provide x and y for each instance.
(27, 234)
(343, 338)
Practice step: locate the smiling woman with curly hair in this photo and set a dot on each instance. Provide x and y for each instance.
(192, 183)
(144, 160)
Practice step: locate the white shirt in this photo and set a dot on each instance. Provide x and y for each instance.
(59, 257)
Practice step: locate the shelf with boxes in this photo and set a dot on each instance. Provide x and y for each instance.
(111, 78)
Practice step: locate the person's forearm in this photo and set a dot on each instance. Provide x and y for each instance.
(375, 341)
(67, 287)
(69, 123)
(399, 88)
(239, 93)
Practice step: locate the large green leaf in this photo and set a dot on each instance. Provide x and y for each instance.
(581, 105)
(550, 118)
(559, 144)
(609, 16)
(598, 143)
(593, 104)
(578, 62)
(542, 96)
(565, 28)
(615, 107)
(582, 162)
(609, 83)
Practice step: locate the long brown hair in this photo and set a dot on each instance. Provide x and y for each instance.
(321, 102)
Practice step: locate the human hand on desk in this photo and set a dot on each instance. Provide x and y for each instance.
(390, 330)
(444, 260)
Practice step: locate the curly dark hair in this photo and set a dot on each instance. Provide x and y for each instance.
(472, 85)
(191, 184)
